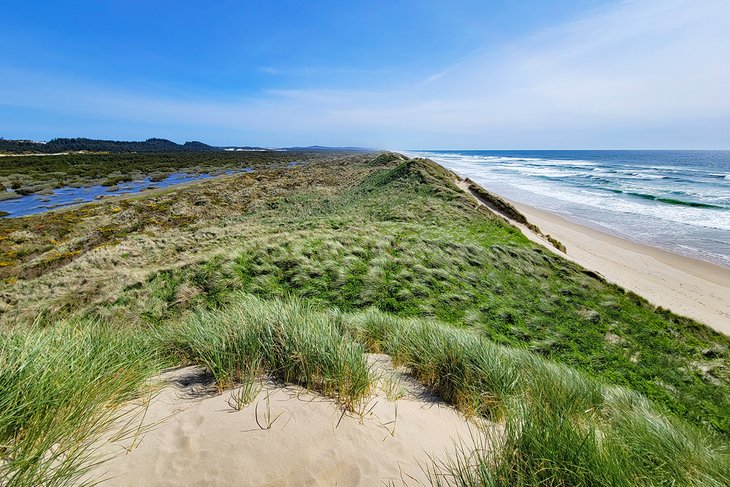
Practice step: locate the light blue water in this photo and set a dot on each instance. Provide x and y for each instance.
(38, 203)
(675, 200)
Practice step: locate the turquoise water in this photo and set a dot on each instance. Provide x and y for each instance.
(675, 200)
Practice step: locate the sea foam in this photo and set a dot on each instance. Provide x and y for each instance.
(677, 200)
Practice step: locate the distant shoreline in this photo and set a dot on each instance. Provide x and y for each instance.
(678, 201)
(687, 286)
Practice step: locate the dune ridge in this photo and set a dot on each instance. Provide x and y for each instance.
(694, 288)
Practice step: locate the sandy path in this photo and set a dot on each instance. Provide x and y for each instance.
(687, 286)
(204, 441)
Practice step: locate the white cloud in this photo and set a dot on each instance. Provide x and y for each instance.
(269, 70)
(650, 73)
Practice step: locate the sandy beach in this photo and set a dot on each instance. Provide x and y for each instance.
(686, 286)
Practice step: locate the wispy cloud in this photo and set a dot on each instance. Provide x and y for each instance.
(643, 72)
(435, 76)
(269, 70)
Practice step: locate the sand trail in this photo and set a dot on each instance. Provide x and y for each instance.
(288, 436)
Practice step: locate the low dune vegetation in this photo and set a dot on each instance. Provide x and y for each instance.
(552, 425)
(60, 387)
(289, 342)
(37, 174)
(298, 272)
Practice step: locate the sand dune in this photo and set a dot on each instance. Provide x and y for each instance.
(199, 439)
(686, 286)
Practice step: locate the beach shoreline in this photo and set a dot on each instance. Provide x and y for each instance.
(690, 287)
(678, 201)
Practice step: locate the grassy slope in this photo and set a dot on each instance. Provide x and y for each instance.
(357, 234)
(397, 236)
(418, 249)
(58, 258)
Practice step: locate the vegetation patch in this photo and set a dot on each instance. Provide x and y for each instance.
(38, 174)
(548, 424)
(297, 271)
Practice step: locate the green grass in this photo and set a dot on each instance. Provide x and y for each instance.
(557, 426)
(290, 342)
(296, 272)
(61, 384)
(60, 387)
(397, 242)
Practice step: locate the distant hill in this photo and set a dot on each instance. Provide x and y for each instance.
(95, 145)
(150, 145)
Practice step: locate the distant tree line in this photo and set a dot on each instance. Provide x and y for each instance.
(94, 145)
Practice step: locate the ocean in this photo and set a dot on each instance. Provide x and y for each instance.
(675, 200)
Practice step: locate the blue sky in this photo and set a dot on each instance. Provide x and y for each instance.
(411, 74)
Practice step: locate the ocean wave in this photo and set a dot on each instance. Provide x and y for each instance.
(717, 218)
(489, 159)
(659, 204)
(672, 210)
(672, 201)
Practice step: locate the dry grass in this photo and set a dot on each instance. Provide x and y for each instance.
(172, 275)
(76, 258)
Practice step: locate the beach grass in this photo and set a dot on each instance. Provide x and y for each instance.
(297, 272)
(60, 388)
(547, 424)
(61, 383)
(553, 425)
(289, 342)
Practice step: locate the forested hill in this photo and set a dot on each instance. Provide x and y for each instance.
(94, 145)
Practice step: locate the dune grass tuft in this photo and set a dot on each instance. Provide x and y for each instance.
(556, 426)
(59, 389)
(288, 340)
